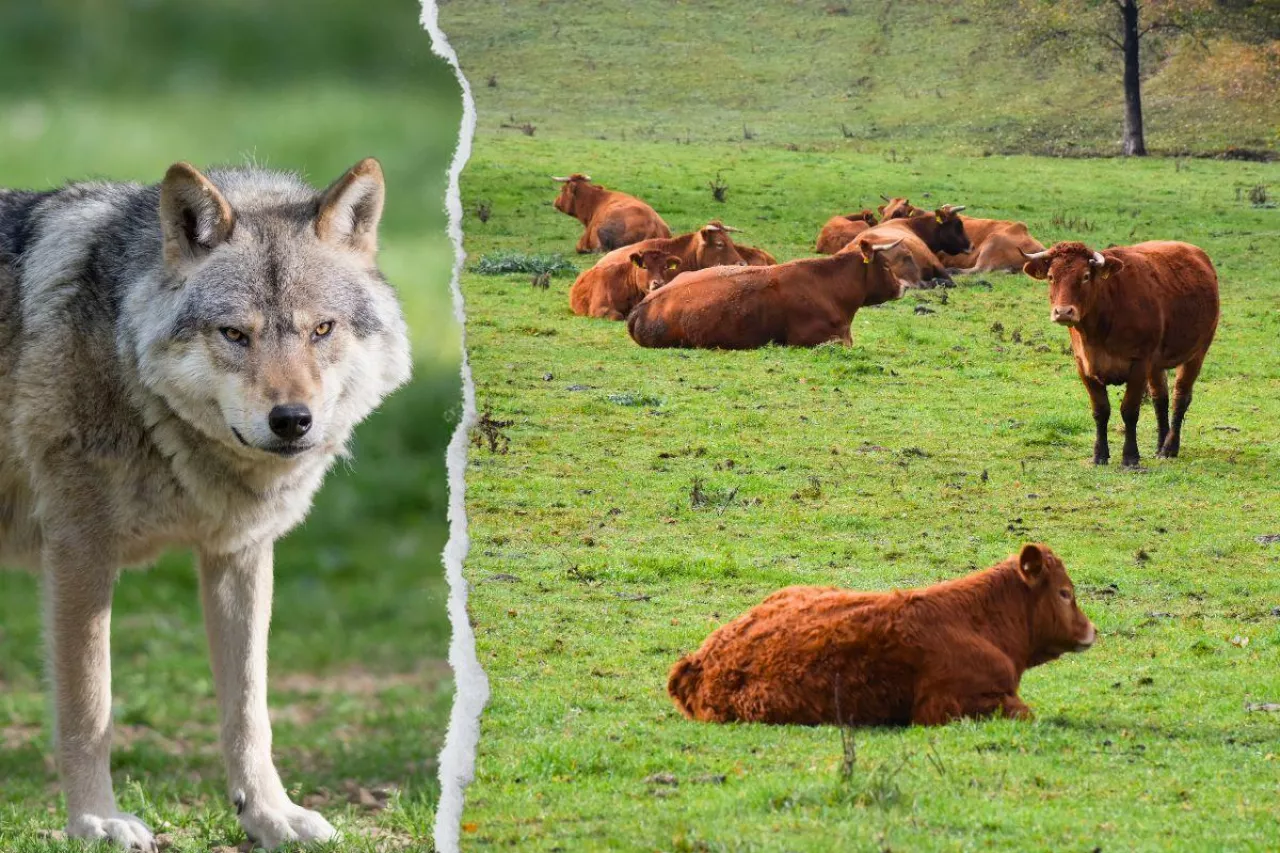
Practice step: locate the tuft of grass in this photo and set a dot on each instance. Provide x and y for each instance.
(502, 263)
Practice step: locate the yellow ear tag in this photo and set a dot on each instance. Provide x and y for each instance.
(865, 259)
(1106, 274)
(939, 218)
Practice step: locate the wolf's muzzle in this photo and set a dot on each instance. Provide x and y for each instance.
(290, 421)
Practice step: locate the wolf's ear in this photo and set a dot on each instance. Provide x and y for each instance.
(352, 206)
(194, 217)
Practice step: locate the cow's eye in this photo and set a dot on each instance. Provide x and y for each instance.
(1066, 593)
(235, 336)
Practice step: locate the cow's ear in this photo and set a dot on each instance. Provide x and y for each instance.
(673, 264)
(1031, 562)
(1037, 268)
(194, 216)
(1111, 267)
(867, 251)
(637, 259)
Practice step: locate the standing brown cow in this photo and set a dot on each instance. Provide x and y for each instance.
(1134, 313)
(709, 246)
(925, 235)
(612, 219)
(998, 245)
(611, 290)
(839, 231)
(819, 655)
(801, 303)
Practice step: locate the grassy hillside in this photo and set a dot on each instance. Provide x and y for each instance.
(359, 689)
(907, 75)
(646, 497)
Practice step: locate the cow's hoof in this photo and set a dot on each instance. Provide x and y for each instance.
(1168, 453)
(1132, 462)
(1102, 460)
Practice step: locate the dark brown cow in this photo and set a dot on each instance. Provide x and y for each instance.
(801, 303)
(1134, 313)
(998, 245)
(815, 655)
(841, 230)
(612, 290)
(612, 219)
(898, 208)
(926, 236)
(710, 246)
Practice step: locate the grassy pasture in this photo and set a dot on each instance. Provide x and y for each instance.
(359, 687)
(646, 497)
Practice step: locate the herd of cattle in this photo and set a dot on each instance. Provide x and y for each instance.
(823, 655)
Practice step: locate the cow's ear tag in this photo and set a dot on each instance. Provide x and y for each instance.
(865, 259)
(939, 219)
(1106, 273)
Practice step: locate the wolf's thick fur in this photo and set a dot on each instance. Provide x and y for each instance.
(179, 366)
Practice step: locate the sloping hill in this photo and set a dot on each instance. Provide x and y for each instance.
(910, 75)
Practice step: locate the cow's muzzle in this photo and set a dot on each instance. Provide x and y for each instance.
(1065, 315)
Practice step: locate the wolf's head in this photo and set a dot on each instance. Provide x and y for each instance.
(270, 328)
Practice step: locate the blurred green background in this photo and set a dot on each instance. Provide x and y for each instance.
(359, 687)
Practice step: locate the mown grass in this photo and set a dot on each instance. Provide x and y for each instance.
(359, 688)
(646, 497)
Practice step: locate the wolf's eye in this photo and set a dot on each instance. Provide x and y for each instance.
(323, 330)
(235, 335)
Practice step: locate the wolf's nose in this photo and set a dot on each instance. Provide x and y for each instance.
(290, 421)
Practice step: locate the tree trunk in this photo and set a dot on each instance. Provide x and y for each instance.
(1135, 144)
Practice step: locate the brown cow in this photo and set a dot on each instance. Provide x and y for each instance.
(814, 655)
(840, 231)
(1134, 313)
(898, 208)
(710, 246)
(926, 236)
(755, 257)
(612, 290)
(998, 245)
(801, 303)
(612, 219)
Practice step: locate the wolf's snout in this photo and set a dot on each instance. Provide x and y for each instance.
(290, 421)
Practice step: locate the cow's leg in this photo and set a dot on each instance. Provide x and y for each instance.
(1015, 709)
(1182, 385)
(79, 576)
(235, 590)
(1158, 385)
(1101, 404)
(1130, 409)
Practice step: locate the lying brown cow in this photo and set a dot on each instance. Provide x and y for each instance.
(710, 246)
(801, 303)
(925, 236)
(841, 230)
(755, 257)
(998, 245)
(612, 219)
(612, 290)
(898, 208)
(815, 655)
(1134, 313)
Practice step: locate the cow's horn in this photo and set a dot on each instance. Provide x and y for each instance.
(884, 247)
(1098, 260)
(956, 209)
(724, 227)
(885, 197)
(1034, 256)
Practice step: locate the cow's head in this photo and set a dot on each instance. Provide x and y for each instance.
(566, 202)
(1074, 271)
(891, 270)
(897, 208)
(714, 247)
(864, 215)
(1058, 625)
(657, 268)
(950, 237)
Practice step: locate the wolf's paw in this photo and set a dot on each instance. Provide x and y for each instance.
(271, 827)
(123, 829)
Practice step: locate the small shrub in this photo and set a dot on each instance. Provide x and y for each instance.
(718, 188)
(502, 263)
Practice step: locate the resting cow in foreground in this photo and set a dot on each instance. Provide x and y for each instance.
(841, 230)
(998, 245)
(898, 208)
(710, 246)
(801, 303)
(612, 219)
(819, 655)
(926, 236)
(1134, 313)
(612, 290)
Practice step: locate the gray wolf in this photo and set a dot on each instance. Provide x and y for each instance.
(179, 366)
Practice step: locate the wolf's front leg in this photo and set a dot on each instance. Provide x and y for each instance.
(236, 593)
(78, 576)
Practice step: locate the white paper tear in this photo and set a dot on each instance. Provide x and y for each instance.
(471, 686)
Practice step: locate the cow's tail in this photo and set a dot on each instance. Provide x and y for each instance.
(683, 683)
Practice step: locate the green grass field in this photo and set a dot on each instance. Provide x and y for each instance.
(360, 690)
(648, 496)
